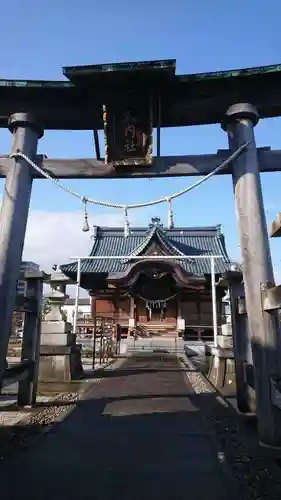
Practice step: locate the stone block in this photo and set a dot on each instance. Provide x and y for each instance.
(222, 370)
(226, 329)
(224, 342)
(62, 339)
(61, 364)
(56, 327)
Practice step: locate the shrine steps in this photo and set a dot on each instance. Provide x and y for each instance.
(157, 330)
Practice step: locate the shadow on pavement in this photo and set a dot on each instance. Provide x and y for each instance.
(142, 436)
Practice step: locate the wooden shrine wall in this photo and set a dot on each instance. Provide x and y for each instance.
(197, 312)
(118, 309)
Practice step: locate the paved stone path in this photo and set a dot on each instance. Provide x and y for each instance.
(137, 435)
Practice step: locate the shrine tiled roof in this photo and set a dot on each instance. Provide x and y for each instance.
(176, 241)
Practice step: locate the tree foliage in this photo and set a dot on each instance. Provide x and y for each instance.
(46, 306)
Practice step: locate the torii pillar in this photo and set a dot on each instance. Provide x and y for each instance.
(13, 219)
(264, 328)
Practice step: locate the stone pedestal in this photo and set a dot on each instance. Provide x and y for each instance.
(222, 369)
(60, 356)
(60, 363)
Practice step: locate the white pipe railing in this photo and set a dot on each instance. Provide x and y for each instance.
(78, 281)
(214, 302)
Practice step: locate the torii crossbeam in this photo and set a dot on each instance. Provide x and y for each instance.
(165, 166)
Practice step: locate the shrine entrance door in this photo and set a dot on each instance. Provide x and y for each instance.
(158, 314)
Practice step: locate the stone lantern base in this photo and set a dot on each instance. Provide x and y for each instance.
(60, 356)
(60, 363)
(222, 369)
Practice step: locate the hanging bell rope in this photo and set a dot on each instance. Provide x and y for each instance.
(126, 223)
(86, 226)
(170, 214)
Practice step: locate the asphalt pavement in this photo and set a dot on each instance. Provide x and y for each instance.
(138, 434)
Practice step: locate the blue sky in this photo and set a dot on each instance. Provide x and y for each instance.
(37, 39)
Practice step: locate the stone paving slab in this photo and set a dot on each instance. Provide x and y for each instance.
(137, 435)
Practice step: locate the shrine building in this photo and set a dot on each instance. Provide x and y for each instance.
(155, 297)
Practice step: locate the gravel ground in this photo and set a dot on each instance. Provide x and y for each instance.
(258, 476)
(38, 422)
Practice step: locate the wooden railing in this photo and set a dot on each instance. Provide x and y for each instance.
(85, 320)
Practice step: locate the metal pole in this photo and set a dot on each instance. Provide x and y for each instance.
(77, 296)
(214, 302)
(94, 312)
(13, 219)
(94, 346)
(264, 329)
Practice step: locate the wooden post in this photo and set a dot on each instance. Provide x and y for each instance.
(264, 328)
(31, 339)
(13, 219)
(214, 302)
(101, 341)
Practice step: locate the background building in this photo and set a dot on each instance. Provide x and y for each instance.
(84, 318)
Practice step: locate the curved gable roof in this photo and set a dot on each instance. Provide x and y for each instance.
(181, 241)
(155, 232)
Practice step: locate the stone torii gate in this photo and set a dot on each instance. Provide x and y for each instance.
(97, 97)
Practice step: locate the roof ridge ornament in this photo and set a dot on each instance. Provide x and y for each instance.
(155, 222)
(155, 227)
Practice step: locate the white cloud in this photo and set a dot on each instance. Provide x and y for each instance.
(54, 237)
